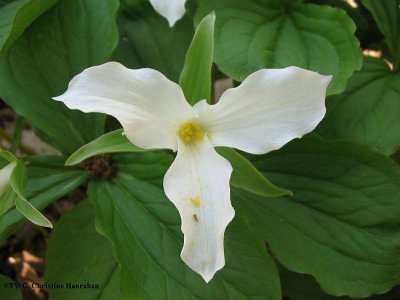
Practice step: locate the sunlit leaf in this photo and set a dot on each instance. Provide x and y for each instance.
(255, 34)
(368, 111)
(195, 78)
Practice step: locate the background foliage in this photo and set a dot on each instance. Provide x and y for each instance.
(330, 229)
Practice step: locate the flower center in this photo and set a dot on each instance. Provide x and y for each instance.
(190, 131)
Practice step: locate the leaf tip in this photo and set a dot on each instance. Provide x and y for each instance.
(70, 161)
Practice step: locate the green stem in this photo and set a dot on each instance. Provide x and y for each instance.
(16, 138)
(22, 147)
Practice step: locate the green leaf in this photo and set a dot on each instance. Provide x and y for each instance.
(256, 34)
(387, 15)
(7, 200)
(8, 289)
(46, 184)
(8, 156)
(342, 225)
(7, 194)
(247, 177)
(18, 182)
(31, 213)
(72, 36)
(79, 255)
(303, 287)
(196, 78)
(144, 228)
(148, 41)
(16, 16)
(368, 110)
(18, 178)
(110, 142)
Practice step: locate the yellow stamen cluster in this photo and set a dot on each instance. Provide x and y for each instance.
(190, 131)
(196, 200)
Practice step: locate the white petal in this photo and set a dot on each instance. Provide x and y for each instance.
(270, 108)
(148, 105)
(172, 10)
(198, 171)
(5, 174)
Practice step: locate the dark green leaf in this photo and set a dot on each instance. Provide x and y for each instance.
(79, 255)
(255, 34)
(303, 287)
(144, 229)
(247, 177)
(45, 185)
(387, 15)
(342, 225)
(195, 78)
(16, 16)
(73, 35)
(368, 111)
(110, 142)
(148, 41)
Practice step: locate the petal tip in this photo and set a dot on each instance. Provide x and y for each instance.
(326, 79)
(207, 277)
(171, 22)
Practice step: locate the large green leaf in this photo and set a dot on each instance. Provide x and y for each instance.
(256, 34)
(70, 37)
(144, 229)
(342, 224)
(195, 78)
(79, 255)
(387, 15)
(146, 40)
(16, 16)
(46, 184)
(368, 111)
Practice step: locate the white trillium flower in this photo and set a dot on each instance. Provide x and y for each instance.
(172, 10)
(5, 174)
(270, 108)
